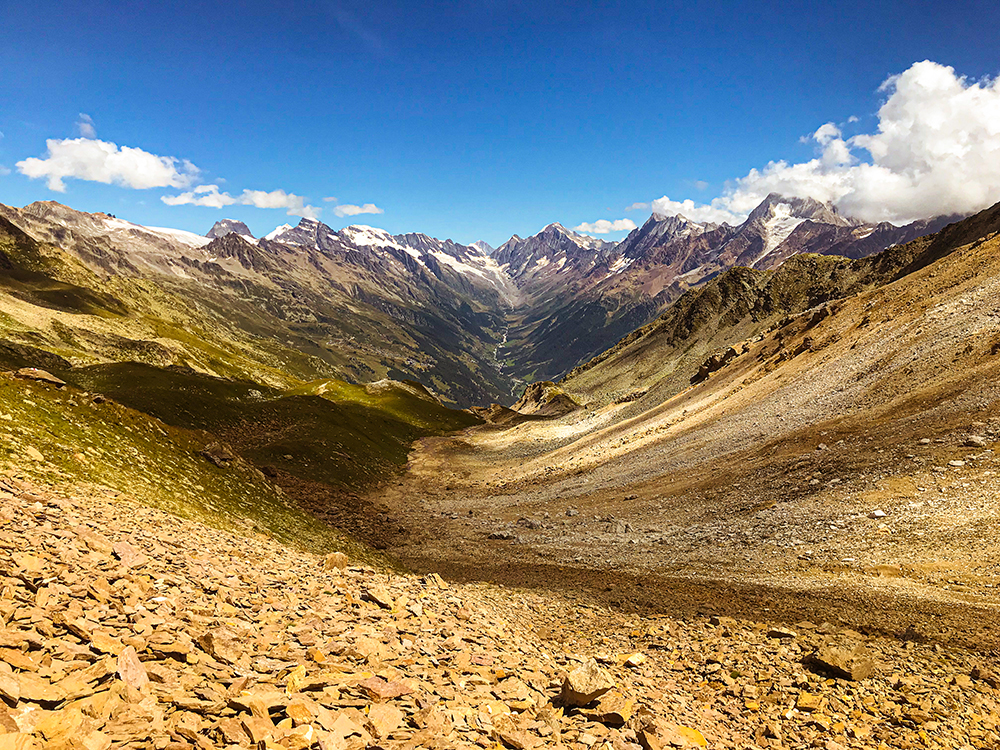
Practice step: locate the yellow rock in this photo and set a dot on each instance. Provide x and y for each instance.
(808, 702)
(296, 678)
(692, 735)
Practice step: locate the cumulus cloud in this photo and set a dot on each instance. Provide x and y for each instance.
(102, 161)
(603, 226)
(203, 195)
(212, 197)
(715, 212)
(347, 209)
(936, 151)
(638, 207)
(85, 126)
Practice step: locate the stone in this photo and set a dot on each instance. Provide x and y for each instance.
(10, 688)
(506, 731)
(41, 376)
(877, 514)
(983, 674)
(378, 595)
(335, 561)
(613, 708)
(847, 661)
(18, 741)
(585, 684)
(38, 690)
(384, 718)
(104, 642)
(656, 733)
(783, 634)
(975, 441)
(130, 669)
(62, 724)
(219, 454)
(634, 661)
(223, 645)
(808, 702)
(129, 556)
(380, 689)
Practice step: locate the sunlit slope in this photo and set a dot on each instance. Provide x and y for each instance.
(662, 357)
(329, 431)
(68, 436)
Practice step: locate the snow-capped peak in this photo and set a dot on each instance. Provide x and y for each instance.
(278, 231)
(364, 236)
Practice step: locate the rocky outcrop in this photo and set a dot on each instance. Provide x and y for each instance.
(545, 399)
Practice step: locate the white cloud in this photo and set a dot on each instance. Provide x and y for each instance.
(4, 170)
(638, 207)
(203, 195)
(700, 185)
(330, 199)
(936, 151)
(211, 197)
(715, 212)
(349, 210)
(101, 161)
(603, 226)
(86, 127)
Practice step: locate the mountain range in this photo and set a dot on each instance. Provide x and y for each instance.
(470, 322)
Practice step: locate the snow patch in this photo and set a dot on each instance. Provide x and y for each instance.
(179, 235)
(618, 266)
(777, 227)
(364, 236)
(458, 265)
(277, 232)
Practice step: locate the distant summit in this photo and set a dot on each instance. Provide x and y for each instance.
(229, 226)
(484, 247)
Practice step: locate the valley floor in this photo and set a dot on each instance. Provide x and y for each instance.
(124, 626)
(842, 466)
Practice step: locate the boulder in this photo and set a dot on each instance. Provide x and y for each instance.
(849, 661)
(585, 684)
(41, 376)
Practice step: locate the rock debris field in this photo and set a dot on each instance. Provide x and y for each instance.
(123, 626)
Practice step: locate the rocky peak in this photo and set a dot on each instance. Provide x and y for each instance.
(659, 230)
(776, 204)
(484, 247)
(229, 226)
(309, 232)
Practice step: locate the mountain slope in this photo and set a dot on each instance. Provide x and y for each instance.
(358, 304)
(664, 355)
(843, 452)
(361, 304)
(579, 309)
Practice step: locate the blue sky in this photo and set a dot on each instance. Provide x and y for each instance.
(477, 120)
